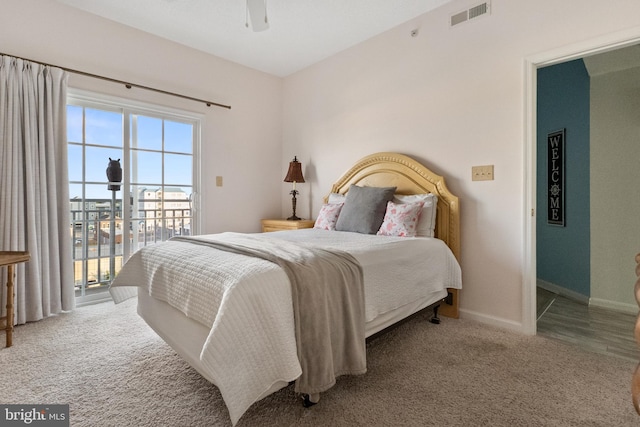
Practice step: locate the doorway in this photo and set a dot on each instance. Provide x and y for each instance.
(532, 64)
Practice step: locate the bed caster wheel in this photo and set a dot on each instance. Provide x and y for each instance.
(306, 401)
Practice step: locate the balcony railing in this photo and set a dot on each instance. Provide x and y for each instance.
(90, 234)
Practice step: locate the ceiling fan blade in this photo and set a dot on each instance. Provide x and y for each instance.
(258, 14)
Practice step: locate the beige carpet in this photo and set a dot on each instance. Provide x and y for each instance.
(114, 371)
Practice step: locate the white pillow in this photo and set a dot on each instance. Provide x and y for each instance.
(427, 221)
(336, 198)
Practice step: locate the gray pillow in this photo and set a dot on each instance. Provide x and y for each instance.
(364, 209)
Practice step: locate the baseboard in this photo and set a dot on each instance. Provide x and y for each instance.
(93, 299)
(591, 302)
(573, 295)
(492, 320)
(613, 305)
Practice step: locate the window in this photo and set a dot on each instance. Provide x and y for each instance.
(157, 150)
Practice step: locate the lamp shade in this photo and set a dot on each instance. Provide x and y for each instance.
(294, 174)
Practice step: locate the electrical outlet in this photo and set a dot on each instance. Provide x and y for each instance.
(482, 173)
(218, 181)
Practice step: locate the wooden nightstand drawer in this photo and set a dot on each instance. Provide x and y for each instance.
(284, 224)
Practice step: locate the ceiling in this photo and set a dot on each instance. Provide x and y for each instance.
(614, 60)
(301, 32)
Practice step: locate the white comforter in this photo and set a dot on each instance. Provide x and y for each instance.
(247, 301)
(397, 270)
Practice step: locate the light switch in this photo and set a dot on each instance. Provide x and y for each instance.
(482, 173)
(218, 181)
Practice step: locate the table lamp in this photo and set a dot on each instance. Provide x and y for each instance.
(294, 174)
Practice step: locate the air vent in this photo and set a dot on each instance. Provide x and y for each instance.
(478, 10)
(471, 13)
(459, 18)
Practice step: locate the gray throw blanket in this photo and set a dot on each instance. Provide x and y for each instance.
(327, 288)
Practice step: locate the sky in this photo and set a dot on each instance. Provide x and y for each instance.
(104, 139)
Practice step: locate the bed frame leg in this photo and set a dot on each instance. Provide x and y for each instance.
(308, 400)
(435, 319)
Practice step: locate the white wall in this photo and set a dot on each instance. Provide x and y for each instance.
(243, 145)
(615, 198)
(451, 98)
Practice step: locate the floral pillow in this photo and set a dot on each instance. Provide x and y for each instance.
(401, 219)
(328, 216)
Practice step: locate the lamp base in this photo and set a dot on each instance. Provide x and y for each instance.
(293, 217)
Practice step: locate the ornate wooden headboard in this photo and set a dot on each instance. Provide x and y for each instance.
(410, 177)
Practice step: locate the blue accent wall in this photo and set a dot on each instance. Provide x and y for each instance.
(563, 253)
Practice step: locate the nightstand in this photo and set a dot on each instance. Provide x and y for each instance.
(285, 224)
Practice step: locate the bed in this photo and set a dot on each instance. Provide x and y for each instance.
(244, 335)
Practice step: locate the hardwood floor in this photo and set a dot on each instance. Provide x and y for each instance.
(591, 328)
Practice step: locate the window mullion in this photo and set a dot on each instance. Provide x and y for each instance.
(126, 188)
(85, 248)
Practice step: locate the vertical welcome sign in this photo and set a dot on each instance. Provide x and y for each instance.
(555, 177)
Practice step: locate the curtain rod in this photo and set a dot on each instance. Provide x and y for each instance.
(126, 84)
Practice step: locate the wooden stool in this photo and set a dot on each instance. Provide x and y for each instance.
(10, 259)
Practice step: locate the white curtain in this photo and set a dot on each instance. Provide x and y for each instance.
(34, 187)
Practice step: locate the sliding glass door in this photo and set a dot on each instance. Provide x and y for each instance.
(156, 200)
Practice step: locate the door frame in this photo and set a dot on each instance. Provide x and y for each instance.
(589, 47)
